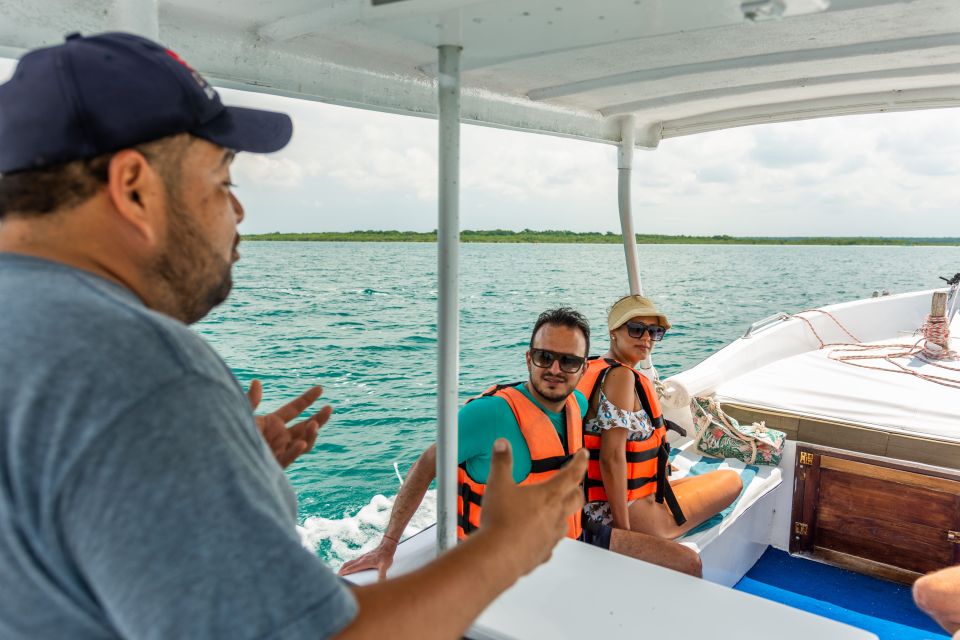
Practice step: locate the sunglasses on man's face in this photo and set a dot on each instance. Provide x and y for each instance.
(637, 329)
(545, 359)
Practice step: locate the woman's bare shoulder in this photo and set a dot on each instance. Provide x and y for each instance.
(619, 387)
(622, 377)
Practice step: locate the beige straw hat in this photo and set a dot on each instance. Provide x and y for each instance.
(631, 307)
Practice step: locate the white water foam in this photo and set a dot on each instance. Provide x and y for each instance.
(354, 535)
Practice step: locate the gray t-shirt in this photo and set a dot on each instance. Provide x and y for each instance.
(137, 498)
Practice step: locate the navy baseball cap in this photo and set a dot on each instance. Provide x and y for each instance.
(96, 94)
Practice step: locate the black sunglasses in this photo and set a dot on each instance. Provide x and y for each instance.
(636, 330)
(545, 359)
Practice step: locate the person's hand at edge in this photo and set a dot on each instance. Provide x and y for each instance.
(408, 499)
(380, 559)
(287, 444)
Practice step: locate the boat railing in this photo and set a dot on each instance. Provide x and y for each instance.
(766, 323)
(952, 297)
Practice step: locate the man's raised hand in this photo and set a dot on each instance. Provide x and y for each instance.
(534, 516)
(287, 444)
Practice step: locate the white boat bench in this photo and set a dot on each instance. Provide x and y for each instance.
(738, 537)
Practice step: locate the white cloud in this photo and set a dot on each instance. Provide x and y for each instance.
(500, 162)
(721, 173)
(783, 148)
(263, 170)
(380, 167)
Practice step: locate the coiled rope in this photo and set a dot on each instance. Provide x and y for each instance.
(935, 331)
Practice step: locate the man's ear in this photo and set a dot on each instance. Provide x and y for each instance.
(136, 191)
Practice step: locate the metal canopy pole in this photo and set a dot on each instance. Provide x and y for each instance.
(628, 136)
(448, 298)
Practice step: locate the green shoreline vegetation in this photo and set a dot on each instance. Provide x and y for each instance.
(529, 236)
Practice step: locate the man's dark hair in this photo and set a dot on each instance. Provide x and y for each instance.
(37, 192)
(563, 317)
(40, 191)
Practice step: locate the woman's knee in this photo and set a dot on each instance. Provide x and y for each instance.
(731, 483)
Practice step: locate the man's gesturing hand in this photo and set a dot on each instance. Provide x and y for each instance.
(534, 517)
(288, 443)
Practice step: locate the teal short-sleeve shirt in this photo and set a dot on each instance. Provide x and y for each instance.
(484, 420)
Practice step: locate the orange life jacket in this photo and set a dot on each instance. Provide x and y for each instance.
(648, 461)
(547, 455)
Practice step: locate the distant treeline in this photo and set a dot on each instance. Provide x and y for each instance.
(527, 235)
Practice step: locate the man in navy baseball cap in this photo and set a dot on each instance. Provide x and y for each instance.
(75, 116)
(137, 497)
(96, 94)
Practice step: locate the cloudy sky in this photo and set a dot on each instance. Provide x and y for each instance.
(887, 174)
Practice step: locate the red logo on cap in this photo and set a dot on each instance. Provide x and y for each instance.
(173, 54)
(207, 89)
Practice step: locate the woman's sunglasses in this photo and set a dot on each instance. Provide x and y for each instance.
(545, 359)
(636, 330)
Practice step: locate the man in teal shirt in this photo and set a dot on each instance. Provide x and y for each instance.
(482, 420)
(556, 360)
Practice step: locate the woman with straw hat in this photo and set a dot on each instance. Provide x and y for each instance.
(627, 485)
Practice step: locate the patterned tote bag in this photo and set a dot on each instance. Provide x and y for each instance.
(720, 436)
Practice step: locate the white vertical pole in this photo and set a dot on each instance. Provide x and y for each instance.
(448, 297)
(625, 166)
(139, 16)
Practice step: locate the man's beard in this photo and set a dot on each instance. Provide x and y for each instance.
(551, 396)
(194, 275)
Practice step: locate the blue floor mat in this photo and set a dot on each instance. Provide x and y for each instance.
(881, 607)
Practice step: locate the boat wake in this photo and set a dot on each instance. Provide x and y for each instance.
(339, 540)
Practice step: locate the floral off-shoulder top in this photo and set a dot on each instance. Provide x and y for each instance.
(610, 416)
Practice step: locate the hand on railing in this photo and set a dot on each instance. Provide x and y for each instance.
(380, 559)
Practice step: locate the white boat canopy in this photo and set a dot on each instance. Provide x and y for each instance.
(552, 66)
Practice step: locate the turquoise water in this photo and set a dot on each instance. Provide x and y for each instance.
(360, 319)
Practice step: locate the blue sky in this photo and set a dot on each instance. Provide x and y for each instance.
(886, 174)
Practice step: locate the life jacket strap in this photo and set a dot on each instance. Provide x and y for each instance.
(632, 483)
(631, 456)
(673, 426)
(544, 465)
(664, 490)
(469, 498)
(656, 421)
(500, 387)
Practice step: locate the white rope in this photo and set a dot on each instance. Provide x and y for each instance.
(856, 351)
